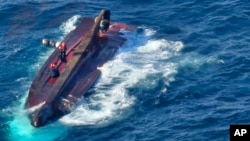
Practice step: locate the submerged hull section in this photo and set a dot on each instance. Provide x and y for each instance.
(86, 51)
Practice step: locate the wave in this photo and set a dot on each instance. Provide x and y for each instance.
(139, 58)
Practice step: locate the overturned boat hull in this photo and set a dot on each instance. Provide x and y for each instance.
(86, 51)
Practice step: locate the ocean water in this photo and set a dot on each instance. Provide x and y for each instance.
(183, 75)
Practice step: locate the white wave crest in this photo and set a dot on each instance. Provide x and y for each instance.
(70, 24)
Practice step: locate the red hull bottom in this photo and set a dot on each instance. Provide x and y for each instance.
(86, 51)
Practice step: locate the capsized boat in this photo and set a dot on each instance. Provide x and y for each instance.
(75, 72)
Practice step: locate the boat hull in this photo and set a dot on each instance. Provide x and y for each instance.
(86, 51)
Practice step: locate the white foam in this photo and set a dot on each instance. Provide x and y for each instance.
(21, 129)
(147, 31)
(36, 107)
(70, 24)
(136, 60)
(194, 61)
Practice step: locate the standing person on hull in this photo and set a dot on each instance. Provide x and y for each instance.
(62, 49)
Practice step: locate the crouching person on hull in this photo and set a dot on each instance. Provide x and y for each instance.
(105, 22)
(54, 72)
(104, 26)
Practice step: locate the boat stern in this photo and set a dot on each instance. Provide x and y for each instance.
(41, 116)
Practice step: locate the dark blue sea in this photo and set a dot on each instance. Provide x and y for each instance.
(183, 75)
